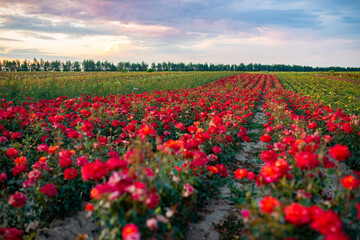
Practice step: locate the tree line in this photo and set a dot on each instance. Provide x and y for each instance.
(90, 65)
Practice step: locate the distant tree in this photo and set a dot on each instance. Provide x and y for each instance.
(144, 66)
(153, 66)
(55, 65)
(76, 66)
(24, 66)
(164, 66)
(181, 66)
(159, 67)
(67, 66)
(98, 66)
(88, 65)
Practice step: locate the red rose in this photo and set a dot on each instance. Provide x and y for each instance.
(268, 156)
(3, 177)
(102, 141)
(82, 161)
(222, 170)
(89, 207)
(346, 127)
(339, 152)
(146, 130)
(268, 204)
(251, 176)
(130, 232)
(49, 190)
(11, 152)
(70, 173)
(216, 149)
(266, 138)
(297, 214)
(20, 160)
(241, 173)
(34, 175)
(326, 222)
(19, 168)
(18, 199)
(94, 170)
(306, 160)
(270, 173)
(349, 182)
(65, 162)
(12, 234)
(312, 125)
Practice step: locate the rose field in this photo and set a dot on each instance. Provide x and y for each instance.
(146, 155)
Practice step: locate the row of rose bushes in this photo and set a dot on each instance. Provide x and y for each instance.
(142, 158)
(343, 126)
(302, 189)
(334, 92)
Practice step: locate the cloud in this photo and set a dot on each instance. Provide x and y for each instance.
(185, 30)
(9, 39)
(30, 54)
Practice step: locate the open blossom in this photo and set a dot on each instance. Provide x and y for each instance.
(94, 170)
(241, 173)
(312, 125)
(297, 214)
(3, 177)
(251, 176)
(350, 182)
(102, 140)
(222, 170)
(188, 190)
(268, 204)
(65, 162)
(339, 152)
(89, 207)
(81, 161)
(34, 175)
(270, 173)
(70, 173)
(20, 160)
(12, 234)
(216, 149)
(212, 169)
(130, 232)
(19, 169)
(326, 222)
(146, 130)
(18, 199)
(99, 190)
(266, 138)
(49, 190)
(306, 160)
(28, 183)
(269, 156)
(12, 152)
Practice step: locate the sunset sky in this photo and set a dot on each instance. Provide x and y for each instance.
(304, 32)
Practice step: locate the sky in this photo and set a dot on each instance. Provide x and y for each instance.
(301, 32)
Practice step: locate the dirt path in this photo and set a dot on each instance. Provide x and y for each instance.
(68, 228)
(218, 208)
